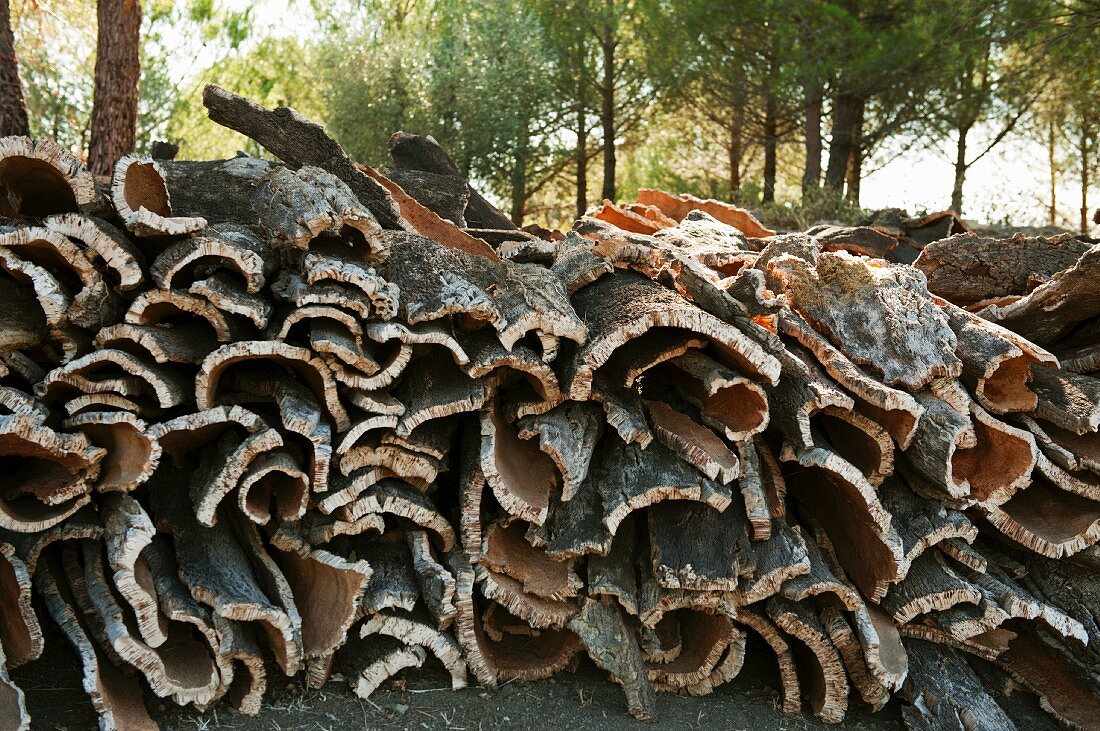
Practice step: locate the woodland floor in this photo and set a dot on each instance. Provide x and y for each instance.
(422, 699)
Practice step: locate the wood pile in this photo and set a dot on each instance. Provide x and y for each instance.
(315, 418)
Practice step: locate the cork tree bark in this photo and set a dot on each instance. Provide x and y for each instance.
(117, 72)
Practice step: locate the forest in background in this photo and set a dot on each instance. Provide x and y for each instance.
(552, 105)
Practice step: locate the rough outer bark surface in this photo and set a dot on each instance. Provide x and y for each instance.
(969, 268)
(944, 694)
(297, 141)
(415, 152)
(853, 304)
(612, 646)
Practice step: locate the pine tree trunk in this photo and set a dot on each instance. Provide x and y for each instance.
(13, 111)
(519, 194)
(1053, 166)
(960, 171)
(582, 148)
(117, 73)
(607, 112)
(771, 144)
(1084, 149)
(855, 163)
(736, 150)
(811, 176)
(847, 110)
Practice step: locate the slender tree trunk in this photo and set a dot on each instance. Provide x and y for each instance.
(1053, 165)
(13, 110)
(735, 150)
(117, 73)
(519, 194)
(846, 117)
(811, 176)
(1084, 150)
(855, 164)
(771, 145)
(582, 148)
(607, 111)
(961, 167)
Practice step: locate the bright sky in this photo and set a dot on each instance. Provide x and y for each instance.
(1012, 182)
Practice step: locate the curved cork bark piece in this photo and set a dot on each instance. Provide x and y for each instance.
(116, 371)
(970, 268)
(506, 551)
(392, 584)
(538, 389)
(437, 584)
(1012, 449)
(303, 423)
(314, 372)
(43, 178)
(371, 661)
(20, 633)
(612, 646)
(528, 654)
(427, 222)
(274, 486)
(576, 265)
(852, 301)
(435, 388)
(105, 245)
(132, 455)
(327, 590)
(844, 639)
(224, 247)
(629, 220)
(1073, 452)
(158, 306)
(325, 268)
(818, 661)
(614, 575)
(1054, 308)
(819, 581)
(94, 302)
(140, 195)
(182, 667)
(678, 207)
(1060, 692)
(521, 476)
(706, 636)
(694, 546)
(625, 306)
(296, 208)
(897, 411)
(128, 532)
(537, 611)
(396, 497)
(40, 305)
(929, 586)
(800, 394)
(115, 696)
(13, 705)
(1067, 400)
(415, 629)
(187, 342)
(1047, 519)
(226, 571)
(727, 401)
(838, 496)
(515, 299)
(995, 369)
(942, 692)
(790, 692)
(694, 443)
(856, 438)
(779, 558)
(226, 292)
(568, 435)
(49, 473)
(922, 523)
(444, 193)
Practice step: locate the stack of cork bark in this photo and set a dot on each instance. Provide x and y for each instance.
(310, 417)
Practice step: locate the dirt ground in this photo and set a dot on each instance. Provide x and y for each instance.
(422, 699)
